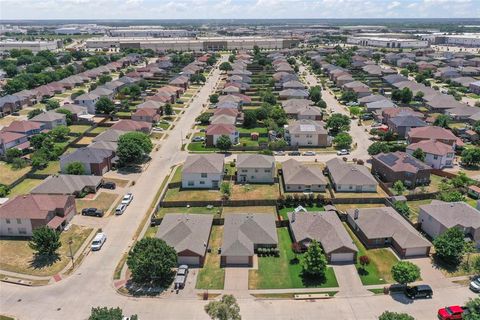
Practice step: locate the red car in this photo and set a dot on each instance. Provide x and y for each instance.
(451, 313)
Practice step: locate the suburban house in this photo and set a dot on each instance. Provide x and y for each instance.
(438, 155)
(146, 115)
(223, 119)
(349, 177)
(111, 135)
(299, 177)
(51, 119)
(95, 161)
(88, 100)
(301, 112)
(393, 112)
(433, 133)
(438, 216)
(132, 125)
(255, 168)
(293, 94)
(67, 184)
(10, 140)
(26, 127)
(383, 227)
(326, 228)
(401, 125)
(78, 112)
(214, 131)
(244, 234)
(395, 166)
(307, 133)
(475, 87)
(203, 171)
(24, 213)
(188, 234)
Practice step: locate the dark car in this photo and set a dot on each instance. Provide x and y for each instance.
(294, 153)
(419, 292)
(109, 185)
(94, 212)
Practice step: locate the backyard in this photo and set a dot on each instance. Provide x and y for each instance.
(281, 273)
(177, 194)
(284, 211)
(102, 201)
(9, 175)
(18, 257)
(255, 192)
(24, 187)
(381, 263)
(415, 208)
(211, 276)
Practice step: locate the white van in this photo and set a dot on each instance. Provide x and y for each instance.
(98, 241)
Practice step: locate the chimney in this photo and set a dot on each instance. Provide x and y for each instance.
(293, 216)
(355, 214)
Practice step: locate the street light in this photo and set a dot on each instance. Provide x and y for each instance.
(71, 254)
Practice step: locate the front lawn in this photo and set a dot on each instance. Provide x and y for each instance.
(212, 276)
(381, 262)
(9, 175)
(103, 201)
(18, 257)
(199, 147)
(24, 187)
(284, 211)
(255, 192)
(282, 273)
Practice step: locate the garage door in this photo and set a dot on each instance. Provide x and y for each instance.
(237, 260)
(190, 261)
(415, 252)
(342, 257)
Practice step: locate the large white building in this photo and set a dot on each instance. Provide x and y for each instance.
(151, 32)
(387, 42)
(191, 44)
(34, 46)
(466, 39)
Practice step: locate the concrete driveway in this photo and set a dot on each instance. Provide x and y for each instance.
(349, 281)
(431, 275)
(236, 281)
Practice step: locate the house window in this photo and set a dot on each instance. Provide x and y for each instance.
(22, 231)
(191, 183)
(202, 182)
(350, 187)
(7, 221)
(19, 221)
(244, 170)
(267, 170)
(9, 230)
(435, 157)
(203, 175)
(256, 170)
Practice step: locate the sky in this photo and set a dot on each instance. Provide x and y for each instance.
(236, 9)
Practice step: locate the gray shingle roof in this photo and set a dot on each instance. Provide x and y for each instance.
(295, 172)
(349, 173)
(451, 214)
(111, 135)
(48, 116)
(255, 161)
(242, 231)
(66, 184)
(186, 232)
(307, 126)
(204, 163)
(87, 155)
(408, 121)
(325, 227)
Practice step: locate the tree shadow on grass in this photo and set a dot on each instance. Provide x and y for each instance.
(40, 261)
(139, 290)
(312, 281)
(362, 272)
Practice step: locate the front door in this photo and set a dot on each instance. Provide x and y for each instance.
(214, 184)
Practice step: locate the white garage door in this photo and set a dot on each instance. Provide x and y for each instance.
(413, 252)
(190, 261)
(342, 257)
(237, 260)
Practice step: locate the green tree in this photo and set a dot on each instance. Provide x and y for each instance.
(442, 120)
(211, 60)
(12, 154)
(471, 156)
(198, 78)
(151, 261)
(315, 94)
(338, 122)
(45, 241)
(314, 261)
(204, 118)
(419, 154)
(399, 187)
(214, 98)
(105, 313)
(75, 168)
(226, 189)
(451, 195)
(104, 105)
(39, 159)
(348, 96)
(34, 112)
(473, 306)
(225, 309)
(76, 94)
(388, 315)
(225, 66)
(59, 133)
(475, 264)
(133, 147)
(224, 143)
(261, 113)
(68, 115)
(168, 109)
(378, 147)
(268, 97)
(419, 95)
(343, 140)
(104, 79)
(449, 246)
(250, 119)
(402, 207)
(405, 272)
(407, 95)
(52, 104)
(4, 191)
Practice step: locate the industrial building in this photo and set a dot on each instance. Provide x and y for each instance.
(387, 42)
(151, 32)
(34, 46)
(466, 39)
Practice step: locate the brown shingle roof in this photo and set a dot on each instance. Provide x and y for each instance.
(32, 206)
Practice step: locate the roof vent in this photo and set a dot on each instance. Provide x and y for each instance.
(356, 213)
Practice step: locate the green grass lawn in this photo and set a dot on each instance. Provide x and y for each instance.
(102, 201)
(24, 187)
(79, 128)
(259, 130)
(177, 194)
(99, 130)
(381, 262)
(192, 210)
(199, 146)
(415, 208)
(281, 273)
(254, 191)
(212, 276)
(284, 211)
(51, 168)
(177, 175)
(9, 175)
(432, 187)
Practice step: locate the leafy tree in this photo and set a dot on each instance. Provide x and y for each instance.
(314, 261)
(151, 261)
(388, 315)
(364, 261)
(104, 105)
(45, 241)
(419, 95)
(348, 96)
(39, 159)
(231, 58)
(449, 246)
(224, 143)
(405, 272)
(104, 79)
(407, 95)
(204, 118)
(461, 180)
(338, 122)
(52, 104)
(343, 140)
(451, 195)
(419, 154)
(134, 91)
(471, 156)
(4, 191)
(321, 104)
(211, 60)
(399, 187)
(226, 189)
(442, 120)
(473, 306)
(19, 163)
(250, 119)
(402, 207)
(75, 168)
(34, 112)
(225, 309)
(68, 115)
(475, 262)
(225, 66)
(214, 98)
(105, 313)
(133, 147)
(268, 97)
(261, 113)
(315, 94)
(59, 133)
(13, 153)
(198, 78)
(279, 144)
(168, 109)
(378, 147)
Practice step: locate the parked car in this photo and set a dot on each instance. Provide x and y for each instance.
(181, 277)
(343, 152)
(451, 313)
(279, 153)
(120, 209)
(198, 139)
(309, 153)
(294, 153)
(418, 292)
(367, 116)
(93, 212)
(98, 241)
(109, 185)
(157, 129)
(475, 284)
(127, 199)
